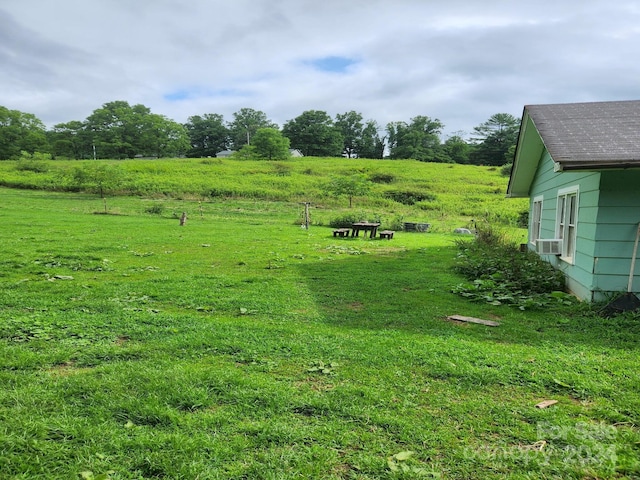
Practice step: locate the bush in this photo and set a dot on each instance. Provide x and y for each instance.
(36, 162)
(282, 169)
(32, 166)
(501, 273)
(348, 219)
(382, 177)
(396, 223)
(523, 219)
(155, 209)
(408, 197)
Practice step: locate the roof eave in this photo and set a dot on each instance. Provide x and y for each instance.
(591, 165)
(526, 159)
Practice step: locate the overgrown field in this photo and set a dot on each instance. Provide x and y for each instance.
(241, 346)
(445, 195)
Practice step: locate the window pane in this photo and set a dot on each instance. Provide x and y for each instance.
(570, 242)
(535, 225)
(561, 214)
(572, 210)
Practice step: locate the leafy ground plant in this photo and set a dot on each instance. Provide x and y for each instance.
(502, 274)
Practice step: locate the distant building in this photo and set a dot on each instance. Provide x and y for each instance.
(295, 153)
(224, 154)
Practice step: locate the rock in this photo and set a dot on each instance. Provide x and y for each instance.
(63, 277)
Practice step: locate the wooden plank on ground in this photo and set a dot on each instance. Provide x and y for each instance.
(546, 403)
(462, 318)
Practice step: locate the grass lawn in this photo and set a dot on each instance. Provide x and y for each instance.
(241, 346)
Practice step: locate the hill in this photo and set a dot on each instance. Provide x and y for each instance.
(445, 195)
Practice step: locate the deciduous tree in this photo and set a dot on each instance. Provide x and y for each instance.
(119, 130)
(270, 144)
(350, 126)
(111, 128)
(371, 144)
(245, 124)
(456, 150)
(19, 132)
(97, 178)
(71, 140)
(162, 137)
(418, 140)
(208, 135)
(314, 134)
(349, 186)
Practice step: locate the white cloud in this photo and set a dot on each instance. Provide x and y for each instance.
(459, 61)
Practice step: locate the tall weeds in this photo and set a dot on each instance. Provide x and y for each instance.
(501, 273)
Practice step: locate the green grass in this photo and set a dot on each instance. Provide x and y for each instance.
(241, 346)
(457, 194)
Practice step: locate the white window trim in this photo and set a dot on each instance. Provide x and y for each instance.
(568, 230)
(533, 234)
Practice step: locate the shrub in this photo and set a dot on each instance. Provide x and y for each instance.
(523, 219)
(347, 220)
(247, 152)
(36, 162)
(220, 193)
(32, 166)
(282, 169)
(396, 223)
(409, 197)
(501, 273)
(155, 209)
(382, 177)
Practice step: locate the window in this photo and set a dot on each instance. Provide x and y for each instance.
(567, 222)
(536, 218)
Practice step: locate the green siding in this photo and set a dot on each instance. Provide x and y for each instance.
(547, 182)
(612, 232)
(618, 219)
(620, 215)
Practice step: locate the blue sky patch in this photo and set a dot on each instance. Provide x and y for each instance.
(177, 95)
(199, 92)
(332, 64)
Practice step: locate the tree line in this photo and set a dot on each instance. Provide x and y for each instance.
(118, 130)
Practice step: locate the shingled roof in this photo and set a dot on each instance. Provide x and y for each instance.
(590, 135)
(578, 136)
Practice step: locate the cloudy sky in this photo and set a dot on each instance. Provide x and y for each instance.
(459, 61)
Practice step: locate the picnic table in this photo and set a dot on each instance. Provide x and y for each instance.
(370, 227)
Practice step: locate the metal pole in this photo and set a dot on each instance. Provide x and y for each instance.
(633, 260)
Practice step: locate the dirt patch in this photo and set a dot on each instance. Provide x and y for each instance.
(67, 368)
(316, 384)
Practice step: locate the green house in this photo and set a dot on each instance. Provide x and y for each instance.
(579, 164)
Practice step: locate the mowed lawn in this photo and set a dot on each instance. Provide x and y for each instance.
(241, 346)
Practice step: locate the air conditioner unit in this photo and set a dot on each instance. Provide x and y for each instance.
(549, 246)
